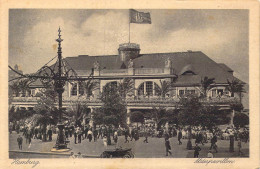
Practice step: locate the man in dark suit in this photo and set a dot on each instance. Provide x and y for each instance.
(20, 142)
(167, 146)
(179, 137)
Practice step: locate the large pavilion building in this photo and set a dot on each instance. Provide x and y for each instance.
(185, 69)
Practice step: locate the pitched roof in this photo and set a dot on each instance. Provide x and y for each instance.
(200, 64)
(225, 67)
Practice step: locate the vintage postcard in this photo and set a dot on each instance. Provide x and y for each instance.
(149, 84)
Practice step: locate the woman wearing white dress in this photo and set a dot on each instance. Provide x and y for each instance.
(105, 141)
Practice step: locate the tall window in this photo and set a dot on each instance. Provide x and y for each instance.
(214, 93)
(81, 89)
(74, 90)
(149, 88)
(181, 92)
(141, 89)
(220, 92)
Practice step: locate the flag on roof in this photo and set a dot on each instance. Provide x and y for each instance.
(139, 17)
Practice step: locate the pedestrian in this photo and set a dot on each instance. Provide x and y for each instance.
(180, 137)
(75, 137)
(210, 155)
(213, 143)
(200, 136)
(105, 141)
(79, 135)
(126, 136)
(146, 136)
(95, 134)
(239, 145)
(115, 136)
(167, 146)
(196, 151)
(89, 135)
(50, 134)
(20, 142)
(231, 143)
(132, 134)
(66, 132)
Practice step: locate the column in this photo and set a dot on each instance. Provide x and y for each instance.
(232, 117)
(144, 88)
(69, 88)
(153, 88)
(128, 116)
(77, 89)
(91, 122)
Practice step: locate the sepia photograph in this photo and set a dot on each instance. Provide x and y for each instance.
(128, 83)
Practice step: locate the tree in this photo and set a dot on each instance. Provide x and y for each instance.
(125, 87)
(166, 86)
(158, 114)
(189, 114)
(46, 108)
(235, 86)
(14, 88)
(77, 111)
(113, 110)
(235, 106)
(89, 86)
(206, 85)
(24, 86)
(241, 120)
(137, 117)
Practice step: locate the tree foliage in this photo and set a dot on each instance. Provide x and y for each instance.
(235, 86)
(137, 116)
(126, 86)
(46, 107)
(241, 120)
(206, 85)
(76, 112)
(194, 113)
(161, 115)
(113, 110)
(89, 86)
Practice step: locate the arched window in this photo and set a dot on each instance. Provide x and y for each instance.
(148, 88)
(141, 90)
(74, 90)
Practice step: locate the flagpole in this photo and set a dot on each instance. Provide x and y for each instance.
(129, 32)
(129, 27)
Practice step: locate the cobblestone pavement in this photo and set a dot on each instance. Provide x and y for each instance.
(154, 149)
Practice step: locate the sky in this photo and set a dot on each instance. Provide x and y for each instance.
(220, 34)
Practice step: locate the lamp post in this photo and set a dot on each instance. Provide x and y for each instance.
(64, 73)
(59, 82)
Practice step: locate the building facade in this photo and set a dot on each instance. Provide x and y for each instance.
(147, 71)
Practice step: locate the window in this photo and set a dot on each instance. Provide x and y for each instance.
(74, 90)
(214, 93)
(141, 89)
(81, 90)
(190, 92)
(181, 92)
(220, 92)
(149, 88)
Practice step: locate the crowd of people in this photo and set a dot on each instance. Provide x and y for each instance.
(109, 134)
